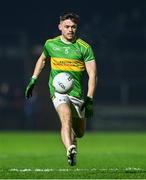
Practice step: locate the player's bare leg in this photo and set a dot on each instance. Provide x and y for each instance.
(79, 126)
(74, 138)
(66, 123)
(78, 130)
(64, 112)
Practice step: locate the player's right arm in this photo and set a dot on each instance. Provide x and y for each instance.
(39, 65)
(37, 70)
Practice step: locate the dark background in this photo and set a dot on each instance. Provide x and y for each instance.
(115, 29)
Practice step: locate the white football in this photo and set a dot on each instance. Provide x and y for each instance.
(63, 82)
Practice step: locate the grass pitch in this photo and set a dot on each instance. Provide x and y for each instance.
(38, 155)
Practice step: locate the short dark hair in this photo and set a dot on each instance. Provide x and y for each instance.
(70, 15)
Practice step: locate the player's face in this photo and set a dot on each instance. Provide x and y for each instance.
(68, 29)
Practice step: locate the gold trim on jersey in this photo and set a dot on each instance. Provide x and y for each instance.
(83, 43)
(52, 39)
(64, 64)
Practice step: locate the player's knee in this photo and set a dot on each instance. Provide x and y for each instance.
(64, 112)
(65, 116)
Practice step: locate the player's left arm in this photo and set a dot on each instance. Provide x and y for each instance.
(92, 81)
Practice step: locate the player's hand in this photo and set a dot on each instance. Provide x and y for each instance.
(88, 105)
(29, 88)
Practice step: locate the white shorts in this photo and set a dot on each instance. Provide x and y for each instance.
(74, 102)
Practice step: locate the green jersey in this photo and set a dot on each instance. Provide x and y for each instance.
(70, 58)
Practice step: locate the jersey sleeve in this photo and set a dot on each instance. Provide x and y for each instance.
(89, 55)
(45, 49)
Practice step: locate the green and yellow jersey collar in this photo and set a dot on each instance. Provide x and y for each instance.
(65, 41)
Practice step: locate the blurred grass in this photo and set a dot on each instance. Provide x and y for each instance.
(100, 155)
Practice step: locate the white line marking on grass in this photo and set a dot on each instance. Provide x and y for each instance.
(51, 170)
(133, 169)
(128, 169)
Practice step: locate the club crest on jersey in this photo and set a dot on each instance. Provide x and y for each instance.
(78, 52)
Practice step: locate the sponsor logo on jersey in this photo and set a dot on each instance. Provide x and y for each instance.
(67, 64)
(56, 49)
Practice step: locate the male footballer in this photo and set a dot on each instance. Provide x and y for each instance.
(68, 53)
